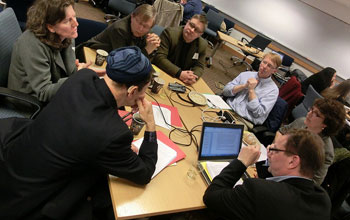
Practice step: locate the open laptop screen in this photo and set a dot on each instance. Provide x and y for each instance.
(220, 141)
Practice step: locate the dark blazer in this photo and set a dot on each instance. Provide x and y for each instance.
(170, 52)
(115, 36)
(77, 139)
(293, 198)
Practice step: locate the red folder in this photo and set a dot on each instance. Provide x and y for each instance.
(122, 113)
(163, 138)
(175, 117)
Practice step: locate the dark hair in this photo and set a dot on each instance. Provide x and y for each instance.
(334, 115)
(310, 149)
(338, 92)
(319, 81)
(44, 12)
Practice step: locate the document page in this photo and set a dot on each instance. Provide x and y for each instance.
(165, 155)
(158, 117)
(215, 101)
(214, 168)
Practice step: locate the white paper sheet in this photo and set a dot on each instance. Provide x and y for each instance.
(215, 168)
(215, 101)
(263, 155)
(165, 155)
(159, 120)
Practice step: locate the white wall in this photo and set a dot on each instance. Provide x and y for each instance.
(309, 32)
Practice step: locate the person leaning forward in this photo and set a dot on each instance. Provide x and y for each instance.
(182, 50)
(132, 30)
(289, 194)
(51, 165)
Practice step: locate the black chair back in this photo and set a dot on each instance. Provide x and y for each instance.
(259, 42)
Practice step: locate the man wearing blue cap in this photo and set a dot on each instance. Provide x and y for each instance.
(56, 166)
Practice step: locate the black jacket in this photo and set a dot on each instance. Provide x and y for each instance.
(58, 157)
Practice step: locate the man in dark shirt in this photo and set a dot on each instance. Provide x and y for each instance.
(56, 166)
(289, 194)
(182, 50)
(132, 30)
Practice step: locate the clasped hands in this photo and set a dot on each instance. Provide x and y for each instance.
(251, 83)
(188, 77)
(152, 42)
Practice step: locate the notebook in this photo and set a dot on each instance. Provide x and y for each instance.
(220, 142)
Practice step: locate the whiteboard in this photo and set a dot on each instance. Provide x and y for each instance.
(309, 32)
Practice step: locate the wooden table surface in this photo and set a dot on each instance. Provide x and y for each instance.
(171, 190)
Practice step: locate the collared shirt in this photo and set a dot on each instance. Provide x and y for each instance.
(282, 178)
(255, 110)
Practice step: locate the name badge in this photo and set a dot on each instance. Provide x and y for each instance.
(195, 56)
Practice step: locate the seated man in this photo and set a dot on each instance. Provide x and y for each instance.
(132, 30)
(50, 166)
(289, 194)
(191, 7)
(252, 95)
(182, 50)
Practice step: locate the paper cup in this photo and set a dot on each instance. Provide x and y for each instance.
(101, 56)
(157, 85)
(136, 124)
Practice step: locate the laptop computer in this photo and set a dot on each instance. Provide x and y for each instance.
(220, 142)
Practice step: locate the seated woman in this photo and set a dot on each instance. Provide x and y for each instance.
(326, 117)
(339, 92)
(320, 81)
(43, 56)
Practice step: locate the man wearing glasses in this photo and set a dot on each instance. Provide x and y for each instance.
(289, 194)
(252, 95)
(132, 30)
(182, 50)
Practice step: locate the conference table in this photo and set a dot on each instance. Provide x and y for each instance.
(172, 190)
(239, 44)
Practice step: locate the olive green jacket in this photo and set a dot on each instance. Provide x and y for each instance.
(37, 69)
(169, 53)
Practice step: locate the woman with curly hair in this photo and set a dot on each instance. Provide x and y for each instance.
(43, 56)
(325, 118)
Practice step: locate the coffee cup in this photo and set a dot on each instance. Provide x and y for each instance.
(136, 124)
(101, 56)
(154, 75)
(158, 83)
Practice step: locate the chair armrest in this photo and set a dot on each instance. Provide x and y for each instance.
(23, 98)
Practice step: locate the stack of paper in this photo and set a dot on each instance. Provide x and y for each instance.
(215, 101)
(168, 152)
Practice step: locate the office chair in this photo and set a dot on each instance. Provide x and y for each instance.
(12, 103)
(337, 183)
(302, 109)
(214, 23)
(157, 29)
(88, 29)
(267, 131)
(121, 8)
(257, 42)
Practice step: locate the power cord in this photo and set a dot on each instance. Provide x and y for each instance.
(193, 138)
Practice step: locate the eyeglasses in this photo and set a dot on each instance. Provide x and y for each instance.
(315, 112)
(269, 65)
(273, 149)
(193, 26)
